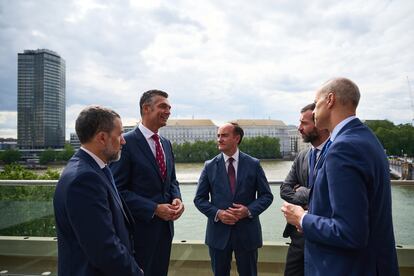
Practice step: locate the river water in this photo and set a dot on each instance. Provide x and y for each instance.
(191, 226)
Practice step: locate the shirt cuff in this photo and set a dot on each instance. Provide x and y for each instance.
(249, 214)
(301, 219)
(216, 218)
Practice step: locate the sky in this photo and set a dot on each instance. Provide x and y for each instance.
(220, 60)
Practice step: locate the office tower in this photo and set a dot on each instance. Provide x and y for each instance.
(40, 100)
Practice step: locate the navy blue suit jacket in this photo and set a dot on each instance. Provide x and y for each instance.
(213, 193)
(349, 229)
(92, 230)
(138, 179)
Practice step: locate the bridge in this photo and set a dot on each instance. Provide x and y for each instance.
(401, 168)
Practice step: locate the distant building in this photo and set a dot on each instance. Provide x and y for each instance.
(296, 141)
(8, 143)
(40, 100)
(271, 128)
(74, 141)
(189, 130)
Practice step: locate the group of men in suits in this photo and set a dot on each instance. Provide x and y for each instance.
(119, 220)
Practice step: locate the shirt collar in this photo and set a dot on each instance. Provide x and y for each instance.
(339, 126)
(320, 147)
(98, 160)
(235, 156)
(145, 131)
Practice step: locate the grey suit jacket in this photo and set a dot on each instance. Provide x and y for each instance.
(298, 175)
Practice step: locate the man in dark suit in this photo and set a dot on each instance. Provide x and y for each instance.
(92, 224)
(232, 192)
(348, 229)
(295, 188)
(145, 176)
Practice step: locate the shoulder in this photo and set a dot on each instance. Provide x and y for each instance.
(248, 158)
(214, 160)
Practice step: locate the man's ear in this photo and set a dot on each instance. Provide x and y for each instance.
(331, 99)
(101, 137)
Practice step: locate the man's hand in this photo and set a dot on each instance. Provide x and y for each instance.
(165, 211)
(227, 217)
(178, 206)
(239, 211)
(293, 214)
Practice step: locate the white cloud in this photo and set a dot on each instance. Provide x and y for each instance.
(218, 60)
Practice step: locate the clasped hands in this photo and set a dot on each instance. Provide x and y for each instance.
(170, 211)
(233, 214)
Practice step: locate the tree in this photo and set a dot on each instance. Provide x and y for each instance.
(66, 154)
(10, 156)
(47, 156)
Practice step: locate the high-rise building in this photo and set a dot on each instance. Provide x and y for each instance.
(40, 100)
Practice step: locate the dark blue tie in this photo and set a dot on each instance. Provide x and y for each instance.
(312, 163)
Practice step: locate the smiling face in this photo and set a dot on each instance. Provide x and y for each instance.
(156, 114)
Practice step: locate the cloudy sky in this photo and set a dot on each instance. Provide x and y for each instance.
(221, 60)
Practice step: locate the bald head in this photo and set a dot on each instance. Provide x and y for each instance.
(345, 90)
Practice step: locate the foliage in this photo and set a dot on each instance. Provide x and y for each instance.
(47, 156)
(200, 151)
(66, 154)
(262, 147)
(17, 172)
(10, 156)
(41, 227)
(397, 140)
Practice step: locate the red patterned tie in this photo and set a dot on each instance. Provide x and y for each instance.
(159, 156)
(232, 175)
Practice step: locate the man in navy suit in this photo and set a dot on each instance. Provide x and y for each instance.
(93, 226)
(145, 176)
(348, 229)
(232, 192)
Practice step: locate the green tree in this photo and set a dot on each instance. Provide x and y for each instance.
(10, 156)
(47, 156)
(66, 154)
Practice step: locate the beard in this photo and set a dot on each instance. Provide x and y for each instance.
(112, 155)
(312, 136)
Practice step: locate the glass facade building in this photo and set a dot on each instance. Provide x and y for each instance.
(41, 86)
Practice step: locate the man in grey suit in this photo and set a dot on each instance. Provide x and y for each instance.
(295, 188)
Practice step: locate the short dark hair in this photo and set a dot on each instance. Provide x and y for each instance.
(92, 120)
(238, 130)
(308, 107)
(148, 96)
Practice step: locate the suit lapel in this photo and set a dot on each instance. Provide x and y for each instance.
(146, 150)
(82, 154)
(241, 174)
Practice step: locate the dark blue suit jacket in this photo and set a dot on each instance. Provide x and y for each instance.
(349, 228)
(92, 230)
(213, 193)
(139, 181)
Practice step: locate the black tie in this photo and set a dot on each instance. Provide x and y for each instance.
(312, 165)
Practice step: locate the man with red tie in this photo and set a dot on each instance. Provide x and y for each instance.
(232, 192)
(145, 176)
